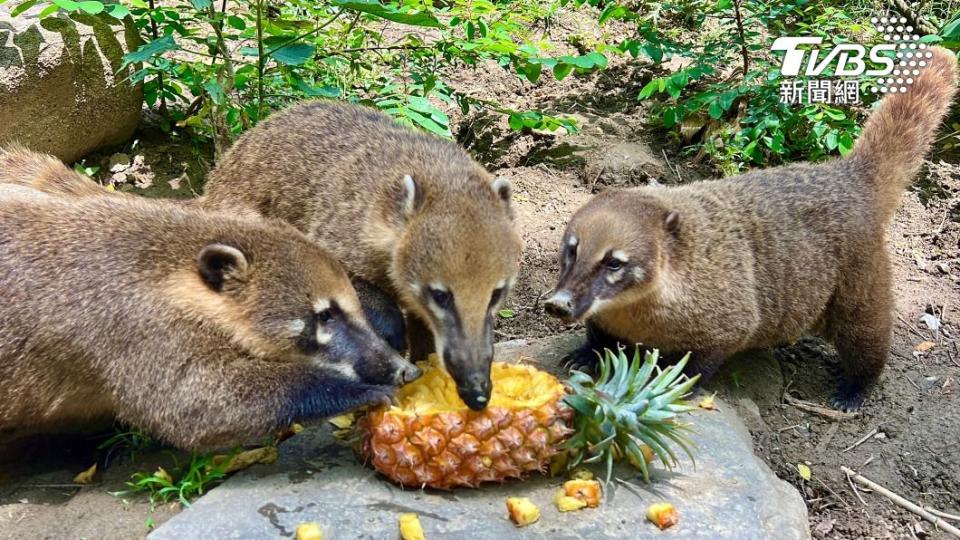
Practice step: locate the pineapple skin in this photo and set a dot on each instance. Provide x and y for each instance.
(464, 448)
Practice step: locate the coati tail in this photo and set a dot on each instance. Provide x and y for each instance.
(898, 134)
(24, 167)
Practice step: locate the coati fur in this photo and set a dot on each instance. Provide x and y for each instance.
(412, 217)
(721, 266)
(21, 166)
(202, 328)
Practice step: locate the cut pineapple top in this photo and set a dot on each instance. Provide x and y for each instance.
(515, 386)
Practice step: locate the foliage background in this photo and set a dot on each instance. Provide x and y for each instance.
(216, 67)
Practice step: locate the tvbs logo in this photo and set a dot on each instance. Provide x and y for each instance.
(893, 63)
(850, 58)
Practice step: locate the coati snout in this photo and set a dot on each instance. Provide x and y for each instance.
(315, 317)
(608, 256)
(455, 283)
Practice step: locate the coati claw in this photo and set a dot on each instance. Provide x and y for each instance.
(583, 359)
(849, 397)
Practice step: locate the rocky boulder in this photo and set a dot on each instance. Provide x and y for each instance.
(61, 88)
(729, 494)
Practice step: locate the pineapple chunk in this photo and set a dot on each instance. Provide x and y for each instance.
(663, 515)
(565, 503)
(587, 491)
(522, 511)
(342, 421)
(707, 402)
(581, 474)
(648, 456)
(86, 476)
(309, 531)
(410, 528)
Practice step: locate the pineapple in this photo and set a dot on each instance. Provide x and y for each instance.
(663, 515)
(430, 438)
(522, 511)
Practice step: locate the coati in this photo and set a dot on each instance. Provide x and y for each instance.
(412, 217)
(201, 328)
(757, 260)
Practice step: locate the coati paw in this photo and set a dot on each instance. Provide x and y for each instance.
(378, 395)
(583, 359)
(849, 396)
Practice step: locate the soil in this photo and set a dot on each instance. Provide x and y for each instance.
(914, 413)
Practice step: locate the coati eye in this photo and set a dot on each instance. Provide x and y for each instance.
(613, 265)
(325, 315)
(442, 298)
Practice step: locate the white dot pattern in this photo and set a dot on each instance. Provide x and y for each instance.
(906, 43)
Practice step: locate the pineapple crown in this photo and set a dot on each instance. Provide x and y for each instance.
(628, 405)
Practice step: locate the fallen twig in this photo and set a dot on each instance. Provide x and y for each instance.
(832, 492)
(855, 492)
(674, 169)
(912, 328)
(903, 503)
(816, 409)
(864, 439)
(944, 515)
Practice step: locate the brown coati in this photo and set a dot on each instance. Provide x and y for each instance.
(757, 260)
(412, 217)
(201, 328)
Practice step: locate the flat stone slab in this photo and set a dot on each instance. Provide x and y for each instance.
(729, 494)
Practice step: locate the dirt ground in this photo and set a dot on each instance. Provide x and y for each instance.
(906, 437)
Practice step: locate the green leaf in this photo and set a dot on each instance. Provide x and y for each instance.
(831, 140)
(201, 5)
(835, 114)
(118, 11)
(845, 143)
(951, 30)
(654, 51)
(294, 54)
(598, 59)
(648, 90)
(236, 22)
(669, 117)
(427, 123)
(532, 71)
(561, 70)
(67, 5)
(716, 111)
(23, 6)
(724, 4)
(92, 7)
(150, 50)
(372, 7)
(49, 10)
(506, 313)
(318, 91)
(609, 11)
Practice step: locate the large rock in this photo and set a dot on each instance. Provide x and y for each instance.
(729, 494)
(60, 89)
(623, 164)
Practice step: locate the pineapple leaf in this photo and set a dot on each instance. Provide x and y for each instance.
(631, 402)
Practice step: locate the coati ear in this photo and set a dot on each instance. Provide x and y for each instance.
(220, 263)
(407, 196)
(672, 222)
(503, 189)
